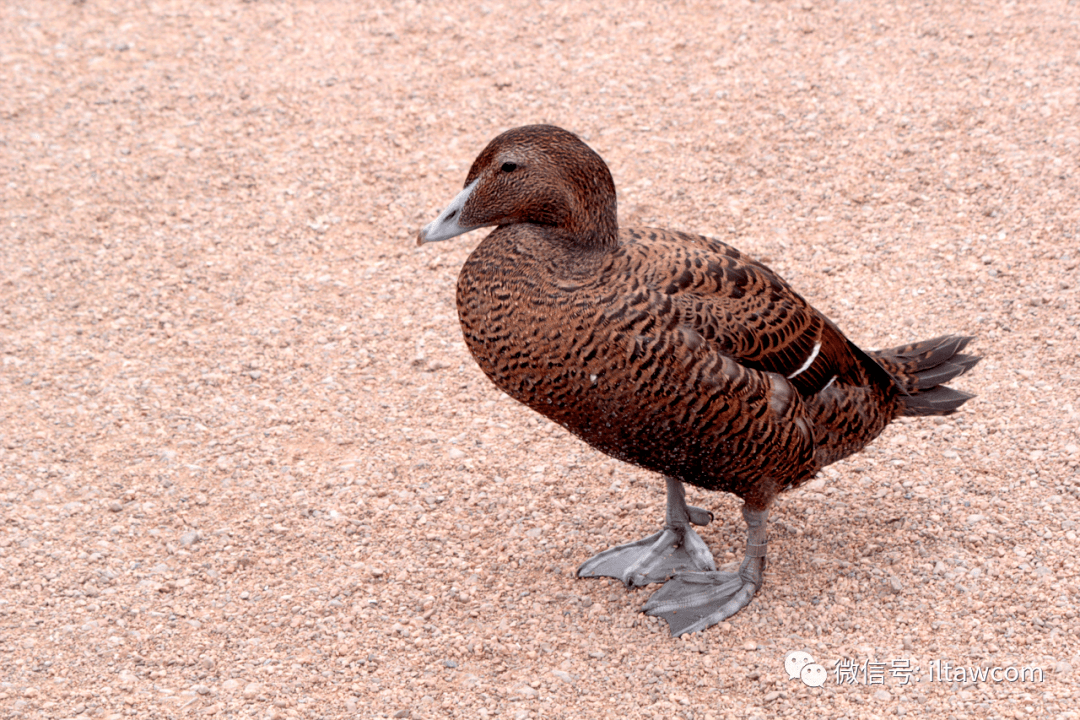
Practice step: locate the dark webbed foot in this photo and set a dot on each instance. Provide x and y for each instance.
(693, 601)
(651, 560)
(675, 549)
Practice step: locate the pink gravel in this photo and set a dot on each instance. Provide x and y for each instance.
(249, 470)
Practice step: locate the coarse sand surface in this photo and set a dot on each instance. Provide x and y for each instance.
(249, 470)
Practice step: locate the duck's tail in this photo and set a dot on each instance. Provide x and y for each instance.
(921, 369)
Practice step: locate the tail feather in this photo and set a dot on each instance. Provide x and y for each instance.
(943, 373)
(921, 369)
(940, 400)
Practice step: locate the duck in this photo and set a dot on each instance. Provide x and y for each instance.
(671, 351)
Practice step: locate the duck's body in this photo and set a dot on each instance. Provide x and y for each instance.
(634, 350)
(667, 350)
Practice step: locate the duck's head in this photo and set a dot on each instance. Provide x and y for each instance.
(540, 175)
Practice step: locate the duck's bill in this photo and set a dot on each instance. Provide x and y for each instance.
(446, 225)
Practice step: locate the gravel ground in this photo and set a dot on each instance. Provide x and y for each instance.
(248, 469)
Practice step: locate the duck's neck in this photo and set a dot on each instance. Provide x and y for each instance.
(597, 233)
(593, 225)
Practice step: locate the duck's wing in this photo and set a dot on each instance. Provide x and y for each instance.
(744, 310)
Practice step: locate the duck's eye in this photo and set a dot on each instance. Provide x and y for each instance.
(509, 167)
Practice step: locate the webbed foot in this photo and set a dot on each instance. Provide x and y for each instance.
(652, 559)
(676, 548)
(693, 601)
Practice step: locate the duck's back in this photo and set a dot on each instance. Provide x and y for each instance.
(671, 351)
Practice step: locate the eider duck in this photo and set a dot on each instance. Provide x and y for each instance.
(668, 350)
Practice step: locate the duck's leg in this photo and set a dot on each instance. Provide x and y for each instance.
(693, 601)
(676, 548)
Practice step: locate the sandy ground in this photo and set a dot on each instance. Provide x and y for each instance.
(248, 469)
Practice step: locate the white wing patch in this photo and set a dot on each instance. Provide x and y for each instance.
(809, 360)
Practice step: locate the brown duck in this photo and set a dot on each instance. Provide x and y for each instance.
(667, 350)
